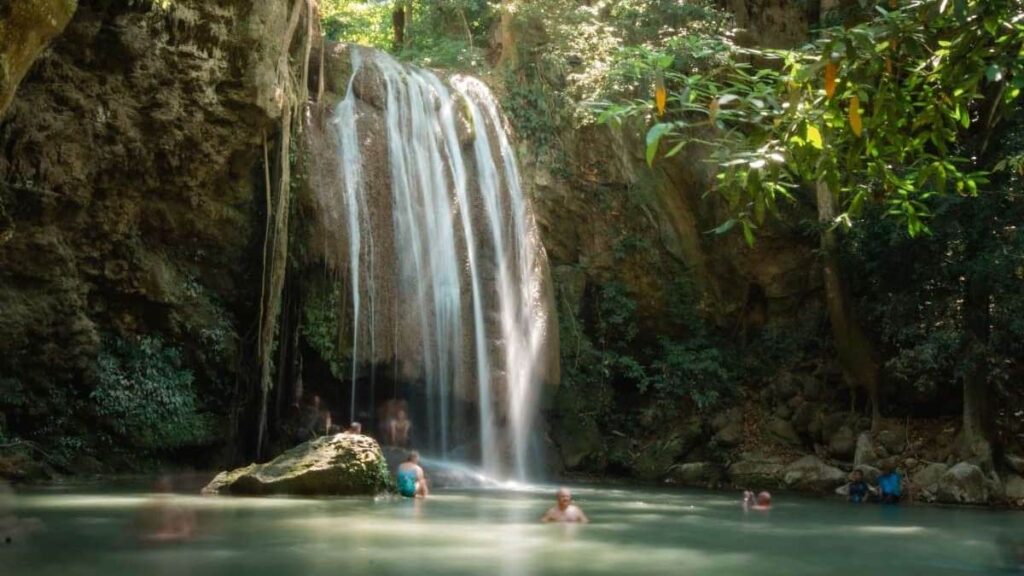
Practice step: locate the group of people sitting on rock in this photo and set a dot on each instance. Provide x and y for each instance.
(888, 491)
(315, 419)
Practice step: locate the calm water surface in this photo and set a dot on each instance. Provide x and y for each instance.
(633, 531)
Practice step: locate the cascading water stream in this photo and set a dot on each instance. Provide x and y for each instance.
(464, 252)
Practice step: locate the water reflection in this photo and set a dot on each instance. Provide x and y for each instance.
(165, 518)
(494, 532)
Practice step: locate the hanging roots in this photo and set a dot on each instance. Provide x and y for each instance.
(293, 97)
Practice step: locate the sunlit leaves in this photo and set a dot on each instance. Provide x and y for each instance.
(856, 124)
(927, 79)
(814, 137)
(831, 73)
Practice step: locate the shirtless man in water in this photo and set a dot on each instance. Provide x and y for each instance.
(565, 510)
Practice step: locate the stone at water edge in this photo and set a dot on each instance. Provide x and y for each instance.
(701, 474)
(964, 484)
(753, 472)
(338, 465)
(811, 474)
(1015, 462)
(1013, 488)
(926, 480)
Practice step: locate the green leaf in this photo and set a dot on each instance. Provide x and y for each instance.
(748, 233)
(654, 136)
(725, 227)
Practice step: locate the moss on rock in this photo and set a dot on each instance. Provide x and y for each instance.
(339, 465)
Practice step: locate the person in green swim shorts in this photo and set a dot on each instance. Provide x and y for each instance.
(412, 483)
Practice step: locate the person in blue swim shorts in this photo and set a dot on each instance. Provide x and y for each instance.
(412, 483)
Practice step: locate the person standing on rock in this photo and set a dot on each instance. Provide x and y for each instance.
(412, 483)
(564, 510)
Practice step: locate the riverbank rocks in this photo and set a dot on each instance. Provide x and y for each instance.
(784, 432)
(811, 474)
(926, 480)
(843, 443)
(1013, 489)
(339, 465)
(864, 453)
(1015, 462)
(701, 474)
(754, 471)
(964, 484)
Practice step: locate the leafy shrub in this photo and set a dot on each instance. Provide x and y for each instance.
(320, 325)
(693, 369)
(146, 397)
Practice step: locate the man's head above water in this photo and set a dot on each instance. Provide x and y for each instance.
(564, 497)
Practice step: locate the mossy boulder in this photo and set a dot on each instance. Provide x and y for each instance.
(339, 465)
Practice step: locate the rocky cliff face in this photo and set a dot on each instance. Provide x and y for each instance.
(128, 196)
(26, 29)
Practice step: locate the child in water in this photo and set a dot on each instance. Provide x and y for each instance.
(763, 500)
(857, 489)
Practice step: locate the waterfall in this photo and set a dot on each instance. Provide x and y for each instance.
(467, 273)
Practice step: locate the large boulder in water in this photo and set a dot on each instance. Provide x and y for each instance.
(811, 474)
(339, 465)
(964, 484)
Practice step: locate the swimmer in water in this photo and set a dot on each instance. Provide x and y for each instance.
(763, 500)
(564, 510)
(412, 483)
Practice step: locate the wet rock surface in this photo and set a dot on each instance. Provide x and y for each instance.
(339, 465)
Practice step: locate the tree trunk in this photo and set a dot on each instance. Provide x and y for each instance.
(398, 26)
(977, 433)
(509, 51)
(856, 351)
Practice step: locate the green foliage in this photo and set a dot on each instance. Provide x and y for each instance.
(147, 398)
(693, 369)
(320, 326)
(875, 111)
(359, 22)
(440, 33)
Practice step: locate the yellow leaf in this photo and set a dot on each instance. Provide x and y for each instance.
(855, 120)
(713, 109)
(830, 79)
(660, 95)
(814, 137)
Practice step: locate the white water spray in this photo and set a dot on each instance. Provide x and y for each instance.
(465, 252)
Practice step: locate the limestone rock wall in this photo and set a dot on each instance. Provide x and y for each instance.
(130, 197)
(26, 29)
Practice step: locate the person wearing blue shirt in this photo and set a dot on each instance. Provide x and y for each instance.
(890, 486)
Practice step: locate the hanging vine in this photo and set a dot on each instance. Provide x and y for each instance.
(293, 96)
